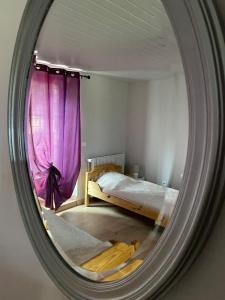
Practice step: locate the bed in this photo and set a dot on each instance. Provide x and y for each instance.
(106, 182)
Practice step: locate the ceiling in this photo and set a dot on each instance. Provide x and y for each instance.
(123, 38)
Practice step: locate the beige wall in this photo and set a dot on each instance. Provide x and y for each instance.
(21, 275)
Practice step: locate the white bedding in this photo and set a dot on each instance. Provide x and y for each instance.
(147, 194)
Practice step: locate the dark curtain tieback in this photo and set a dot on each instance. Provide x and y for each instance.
(52, 186)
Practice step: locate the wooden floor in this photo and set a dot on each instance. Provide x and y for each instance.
(109, 223)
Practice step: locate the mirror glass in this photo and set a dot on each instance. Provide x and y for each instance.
(106, 131)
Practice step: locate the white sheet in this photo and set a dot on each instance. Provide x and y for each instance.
(147, 194)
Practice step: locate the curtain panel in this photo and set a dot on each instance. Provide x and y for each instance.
(52, 130)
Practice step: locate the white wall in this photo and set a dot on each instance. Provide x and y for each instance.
(136, 123)
(103, 120)
(157, 132)
(21, 274)
(104, 105)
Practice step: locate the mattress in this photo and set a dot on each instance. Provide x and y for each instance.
(147, 194)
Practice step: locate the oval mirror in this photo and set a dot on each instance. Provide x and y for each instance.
(117, 143)
(106, 131)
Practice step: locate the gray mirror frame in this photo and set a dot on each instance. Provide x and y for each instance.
(201, 44)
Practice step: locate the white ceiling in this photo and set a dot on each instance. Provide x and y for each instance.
(124, 38)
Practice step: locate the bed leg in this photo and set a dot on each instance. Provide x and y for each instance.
(86, 200)
(87, 197)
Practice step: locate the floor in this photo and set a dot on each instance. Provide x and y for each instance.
(109, 223)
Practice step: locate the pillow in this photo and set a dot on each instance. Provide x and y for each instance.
(110, 180)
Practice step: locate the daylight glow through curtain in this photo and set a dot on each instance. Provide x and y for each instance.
(53, 134)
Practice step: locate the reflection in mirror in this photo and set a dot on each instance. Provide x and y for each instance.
(106, 131)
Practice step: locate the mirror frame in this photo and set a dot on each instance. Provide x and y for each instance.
(201, 43)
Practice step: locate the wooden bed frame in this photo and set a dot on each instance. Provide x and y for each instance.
(94, 190)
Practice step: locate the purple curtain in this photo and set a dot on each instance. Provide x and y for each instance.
(53, 133)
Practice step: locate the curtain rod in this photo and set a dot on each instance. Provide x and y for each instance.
(38, 63)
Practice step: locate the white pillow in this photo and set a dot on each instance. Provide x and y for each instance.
(110, 180)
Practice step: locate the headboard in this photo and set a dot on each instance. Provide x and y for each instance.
(100, 169)
(115, 159)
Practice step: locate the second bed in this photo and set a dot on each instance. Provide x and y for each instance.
(106, 182)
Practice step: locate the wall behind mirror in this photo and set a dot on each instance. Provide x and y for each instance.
(28, 280)
(106, 131)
